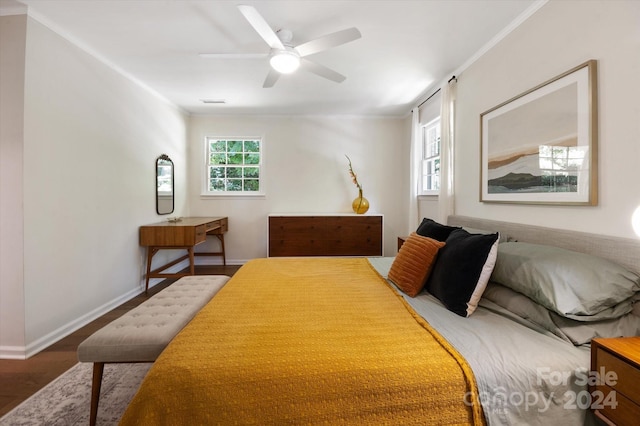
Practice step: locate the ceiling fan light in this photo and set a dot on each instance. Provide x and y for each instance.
(285, 61)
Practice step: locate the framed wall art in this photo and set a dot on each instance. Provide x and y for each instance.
(540, 147)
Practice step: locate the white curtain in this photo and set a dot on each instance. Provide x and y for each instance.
(446, 205)
(414, 159)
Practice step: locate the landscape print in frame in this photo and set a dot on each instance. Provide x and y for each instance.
(541, 146)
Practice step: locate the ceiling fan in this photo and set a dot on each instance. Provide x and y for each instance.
(286, 58)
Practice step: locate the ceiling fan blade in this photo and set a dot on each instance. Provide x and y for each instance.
(271, 79)
(261, 26)
(321, 70)
(328, 41)
(233, 55)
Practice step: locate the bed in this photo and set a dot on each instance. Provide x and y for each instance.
(344, 341)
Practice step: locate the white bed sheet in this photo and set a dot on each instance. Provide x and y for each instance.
(525, 374)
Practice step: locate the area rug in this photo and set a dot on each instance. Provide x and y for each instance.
(66, 401)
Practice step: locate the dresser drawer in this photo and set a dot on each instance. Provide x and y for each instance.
(296, 228)
(615, 362)
(622, 412)
(201, 233)
(297, 247)
(186, 232)
(213, 225)
(628, 377)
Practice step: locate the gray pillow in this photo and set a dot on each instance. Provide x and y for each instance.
(575, 285)
(575, 332)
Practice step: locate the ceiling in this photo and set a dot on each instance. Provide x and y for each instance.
(408, 47)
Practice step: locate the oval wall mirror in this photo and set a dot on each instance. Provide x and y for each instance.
(164, 185)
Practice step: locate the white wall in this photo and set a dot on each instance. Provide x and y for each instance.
(558, 37)
(88, 153)
(306, 172)
(91, 137)
(13, 32)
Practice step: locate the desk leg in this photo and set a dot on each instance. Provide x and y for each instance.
(192, 268)
(216, 253)
(224, 257)
(151, 251)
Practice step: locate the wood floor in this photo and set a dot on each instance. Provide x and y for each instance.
(19, 379)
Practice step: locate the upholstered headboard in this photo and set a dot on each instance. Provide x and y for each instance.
(624, 251)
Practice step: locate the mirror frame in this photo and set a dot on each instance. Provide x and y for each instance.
(164, 161)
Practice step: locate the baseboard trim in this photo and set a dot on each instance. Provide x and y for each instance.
(206, 261)
(62, 332)
(24, 352)
(13, 352)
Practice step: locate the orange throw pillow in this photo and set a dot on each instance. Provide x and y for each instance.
(414, 263)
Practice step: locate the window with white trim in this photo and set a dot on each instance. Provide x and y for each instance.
(430, 164)
(233, 166)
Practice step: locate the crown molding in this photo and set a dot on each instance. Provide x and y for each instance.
(12, 7)
(484, 49)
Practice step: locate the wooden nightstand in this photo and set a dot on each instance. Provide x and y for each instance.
(401, 241)
(616, 365)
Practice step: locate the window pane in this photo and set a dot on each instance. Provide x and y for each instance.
(216, 172)
(251, 172)
(252, 159)
(216, 185)
(251, 185)
(234, 185)
(218, 146)
(234, 172)
(218, 158)
(251, 146)
(235, 159)
(235, 146)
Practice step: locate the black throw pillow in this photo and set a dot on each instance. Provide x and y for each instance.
(432, 229)
(462, 270)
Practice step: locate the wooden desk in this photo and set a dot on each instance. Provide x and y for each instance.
(186, 234)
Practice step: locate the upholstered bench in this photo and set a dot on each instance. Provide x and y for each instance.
(141, 334)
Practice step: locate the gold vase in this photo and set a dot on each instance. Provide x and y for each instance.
(360, 205)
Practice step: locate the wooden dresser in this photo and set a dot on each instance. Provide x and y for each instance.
(325, 235)
(615, 398)
(185, 234)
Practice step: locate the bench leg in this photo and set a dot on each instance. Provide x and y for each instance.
(98, 369)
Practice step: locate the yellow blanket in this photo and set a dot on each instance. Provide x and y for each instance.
(307, 341)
